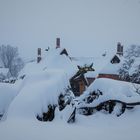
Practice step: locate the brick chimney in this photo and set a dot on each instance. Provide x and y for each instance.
(119, 49)
(38, 55)
(57, 43)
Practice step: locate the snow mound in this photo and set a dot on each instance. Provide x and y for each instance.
(112, 90)
(42, 83)
(39, 90)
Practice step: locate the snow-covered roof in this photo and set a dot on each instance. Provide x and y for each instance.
(52, 60)
(4, 71)
(98, 64)
(110, 68)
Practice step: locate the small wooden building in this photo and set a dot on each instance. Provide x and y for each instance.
(79, 82)
(78, 86)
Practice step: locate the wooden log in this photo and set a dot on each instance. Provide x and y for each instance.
(109, 105)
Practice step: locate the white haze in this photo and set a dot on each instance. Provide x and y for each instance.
(86, 27)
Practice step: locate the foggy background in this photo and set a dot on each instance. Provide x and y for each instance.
(86, 27)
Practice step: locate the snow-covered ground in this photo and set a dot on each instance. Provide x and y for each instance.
(7, 93)
(22, 124)
(42, 85)
(97, 127)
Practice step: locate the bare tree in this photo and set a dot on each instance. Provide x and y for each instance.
(10, 59)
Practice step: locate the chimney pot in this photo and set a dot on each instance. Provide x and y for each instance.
(38, 55)
(57, 43)
(119, 49)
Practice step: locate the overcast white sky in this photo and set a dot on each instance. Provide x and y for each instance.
(86, 27)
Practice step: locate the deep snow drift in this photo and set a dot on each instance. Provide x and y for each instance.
(42, 85)
(38, 92)
(7, 93)
(6, 96)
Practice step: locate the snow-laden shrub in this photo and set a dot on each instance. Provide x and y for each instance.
(108, 96)
(130, 69)
(65, 98)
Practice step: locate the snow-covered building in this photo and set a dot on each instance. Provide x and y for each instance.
(111, 70)
(58, 58)
(98, 64)
(105, 66)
